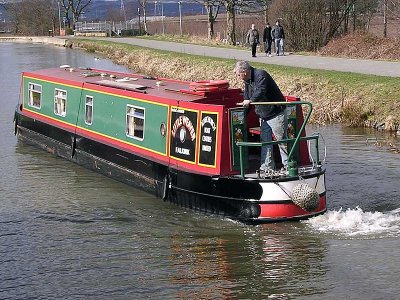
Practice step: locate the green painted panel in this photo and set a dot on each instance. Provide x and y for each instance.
(109, 118)
(238, 125)
(109, 113)
(47, 101)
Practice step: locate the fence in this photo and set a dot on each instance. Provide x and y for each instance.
(109, 28)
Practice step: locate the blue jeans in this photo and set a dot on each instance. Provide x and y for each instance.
(279, 47)
(278, 127)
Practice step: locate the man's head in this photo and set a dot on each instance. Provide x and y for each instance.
(277, 22)
(253, 26)
(243, 70)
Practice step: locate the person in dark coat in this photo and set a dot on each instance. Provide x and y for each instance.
(259, 86)
(267, 39)
(278, 35)
(253, 39)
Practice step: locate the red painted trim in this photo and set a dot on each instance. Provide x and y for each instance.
(289, 210)
(164, 159)
(76, 84)
(122, 146)
(63, 125)
(99, 138)
(198, 134)
(255, 130)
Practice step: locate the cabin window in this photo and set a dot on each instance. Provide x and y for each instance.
(135, 122)
(89, 110)
(35, 95)
(60, 102)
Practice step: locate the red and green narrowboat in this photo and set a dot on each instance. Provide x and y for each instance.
(185, 142)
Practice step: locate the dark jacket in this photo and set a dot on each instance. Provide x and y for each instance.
(267, 34)
(262, 88)
(277, 32)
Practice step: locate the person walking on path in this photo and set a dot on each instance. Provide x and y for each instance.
(278, 34)
(267, 39)
(260, 87)
(253, 39)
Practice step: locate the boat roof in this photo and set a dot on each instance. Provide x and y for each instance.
(152, 86)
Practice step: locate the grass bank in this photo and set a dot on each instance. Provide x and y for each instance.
(348, 98)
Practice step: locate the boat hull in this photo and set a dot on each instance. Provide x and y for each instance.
(247, 200)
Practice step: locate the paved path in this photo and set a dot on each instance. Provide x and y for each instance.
(382, 68)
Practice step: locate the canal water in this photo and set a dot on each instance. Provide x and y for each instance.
(69, 233)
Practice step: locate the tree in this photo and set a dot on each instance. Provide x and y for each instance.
(212, 7)
(248, 6)
(311, 24)
(73, 10)
(32, 17)
(142, 4)
(230, 6)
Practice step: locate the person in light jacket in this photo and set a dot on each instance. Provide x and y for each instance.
(253, 39)
(278, 35)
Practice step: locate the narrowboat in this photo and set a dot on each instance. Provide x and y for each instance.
(185, 142)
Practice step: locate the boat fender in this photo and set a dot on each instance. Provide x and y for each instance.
(15, 124)
(73, 146)
(251, 211)
(305, 196)
(209, 85)
(165, 188)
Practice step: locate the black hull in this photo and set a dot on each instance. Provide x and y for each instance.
(228, 197)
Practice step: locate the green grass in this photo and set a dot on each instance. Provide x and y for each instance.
(349, 98)
(189, 39)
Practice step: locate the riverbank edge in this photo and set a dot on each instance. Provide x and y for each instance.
(331, 92)
(36, 40)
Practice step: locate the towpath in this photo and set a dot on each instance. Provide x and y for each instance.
(363, 66)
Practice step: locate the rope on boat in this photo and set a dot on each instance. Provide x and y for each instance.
(209, 85)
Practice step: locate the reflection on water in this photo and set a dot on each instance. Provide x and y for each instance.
(69, 233)
(270, 260)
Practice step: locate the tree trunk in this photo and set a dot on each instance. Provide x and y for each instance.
(144, 20)
(385, 18)
(230, 22)
(211, 21)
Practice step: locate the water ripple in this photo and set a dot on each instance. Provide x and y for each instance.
(357, 223)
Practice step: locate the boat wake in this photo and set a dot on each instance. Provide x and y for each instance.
(357, 223)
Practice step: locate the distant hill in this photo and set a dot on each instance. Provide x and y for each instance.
(111, 9)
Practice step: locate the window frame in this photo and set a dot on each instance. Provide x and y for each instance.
(86, 106)
(63, 114)
(30, 91)
(129, 115)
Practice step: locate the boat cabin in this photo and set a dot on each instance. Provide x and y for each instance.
(189, 126)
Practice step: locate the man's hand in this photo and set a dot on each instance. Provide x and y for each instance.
(245, 103)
